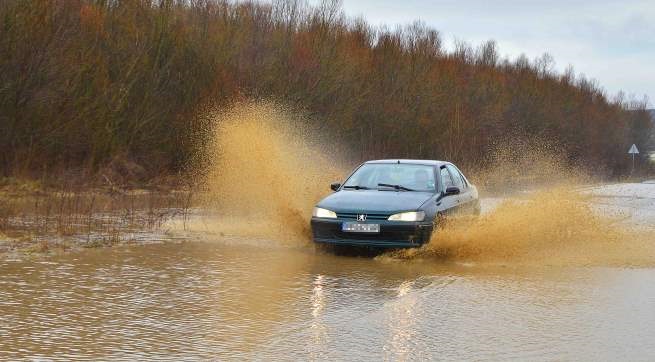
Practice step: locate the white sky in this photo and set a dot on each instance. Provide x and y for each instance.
(610, 41)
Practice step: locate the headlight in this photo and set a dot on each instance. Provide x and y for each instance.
(318, 212)
(408, 216)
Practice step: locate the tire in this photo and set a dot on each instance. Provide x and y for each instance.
(439, 220)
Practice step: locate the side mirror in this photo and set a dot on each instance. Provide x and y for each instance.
(452, 190)
(335, 186)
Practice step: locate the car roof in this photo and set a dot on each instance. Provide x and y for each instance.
(412, 162)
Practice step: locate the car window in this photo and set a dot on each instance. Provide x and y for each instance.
(446, 179)
(464, 180)
(457, 176)
(413, 176)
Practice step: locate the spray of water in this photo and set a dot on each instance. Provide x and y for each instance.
(555, 226)
(266, 170)
(553, 223)
(519, 163)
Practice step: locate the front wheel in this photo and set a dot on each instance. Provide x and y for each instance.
(323, 248)
(439, 221)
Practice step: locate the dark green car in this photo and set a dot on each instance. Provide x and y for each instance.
(392, 203)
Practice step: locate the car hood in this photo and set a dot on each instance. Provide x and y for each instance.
(374, 201)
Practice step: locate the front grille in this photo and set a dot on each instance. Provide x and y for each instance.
(353, 216)
(395, 233)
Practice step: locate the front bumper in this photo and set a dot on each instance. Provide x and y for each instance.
(391, 235)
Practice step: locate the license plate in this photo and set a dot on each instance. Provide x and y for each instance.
(353, 227)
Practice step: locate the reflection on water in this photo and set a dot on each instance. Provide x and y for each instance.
(319, 331)
(400, 322)
(225, 301)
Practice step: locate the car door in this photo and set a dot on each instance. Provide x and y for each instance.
(467, 196)
(463, 198)
(447, 204)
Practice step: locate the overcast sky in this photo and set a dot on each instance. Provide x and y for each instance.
(610, 41)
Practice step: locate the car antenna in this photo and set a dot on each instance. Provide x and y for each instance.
(398, 162)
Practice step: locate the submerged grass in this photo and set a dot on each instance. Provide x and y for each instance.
(39, 221)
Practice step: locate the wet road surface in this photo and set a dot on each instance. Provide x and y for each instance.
(229, 301)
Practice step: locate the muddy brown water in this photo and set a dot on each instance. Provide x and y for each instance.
(227, 300)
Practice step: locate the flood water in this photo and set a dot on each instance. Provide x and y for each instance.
(228, 300)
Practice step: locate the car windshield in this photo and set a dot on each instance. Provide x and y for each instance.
(404, 176)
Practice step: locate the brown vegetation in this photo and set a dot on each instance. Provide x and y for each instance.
(114, 85)
(33, 220)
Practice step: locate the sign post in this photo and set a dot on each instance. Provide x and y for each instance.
(633, 151)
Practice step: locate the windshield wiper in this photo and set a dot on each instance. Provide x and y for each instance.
(397, 187)
(356, 187)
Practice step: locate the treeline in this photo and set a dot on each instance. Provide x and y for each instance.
(86, 84)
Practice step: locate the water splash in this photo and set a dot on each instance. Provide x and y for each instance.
(267, 169)
(518, 163)
(555, 226)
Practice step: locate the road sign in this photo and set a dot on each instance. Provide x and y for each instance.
(633, 151)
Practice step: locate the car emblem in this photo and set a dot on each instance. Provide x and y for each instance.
(361, 217)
